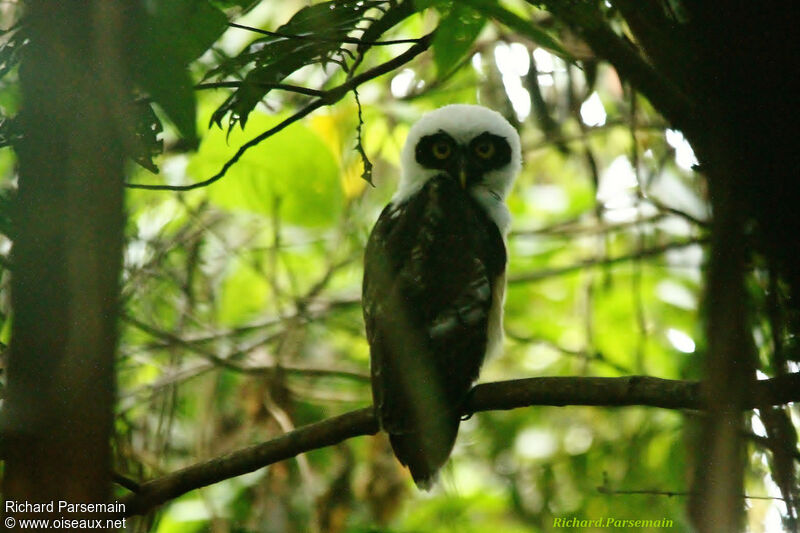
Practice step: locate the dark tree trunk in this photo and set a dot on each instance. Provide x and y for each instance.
(67, 257)
(723, 75)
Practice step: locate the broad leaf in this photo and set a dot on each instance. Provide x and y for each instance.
(293, 170)
(457, 31)
(391, 18)
(173, 33)
(244, 293)
(189, 26)
(148, 127)
(528, 28)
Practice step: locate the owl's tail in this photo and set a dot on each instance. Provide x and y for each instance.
(426, 450)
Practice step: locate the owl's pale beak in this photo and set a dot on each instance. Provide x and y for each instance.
(462, 171)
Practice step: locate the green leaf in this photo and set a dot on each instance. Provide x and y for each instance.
(11, 49)
(169, 84)
(6, 202)
(293, 170)
(391, 18)
(244, 5)
(528, 28)
(5, 330)
(244, 293)
(175, 32)
(148, 127)
(454, 37)
(189, 27)
(443, 5)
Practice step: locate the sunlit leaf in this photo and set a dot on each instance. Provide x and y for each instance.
(352, 182)
(293, 172)
(455, 35)
(5, 330)
(528, 28)
(243, 294)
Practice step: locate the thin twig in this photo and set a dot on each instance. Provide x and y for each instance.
(560, 271)
(280, 86)
(573, 227)
(592, 130)
(329, 97)
(366, 175)
(588, 355)
(228, 363)
(316, 38)
(671, 494)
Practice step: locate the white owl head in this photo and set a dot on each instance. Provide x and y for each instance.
(474, 139)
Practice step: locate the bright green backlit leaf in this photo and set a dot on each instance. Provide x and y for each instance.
(243, 295)
(5, 330)
(528, 28)
(185, 515)
(457, 31)
(293, 170)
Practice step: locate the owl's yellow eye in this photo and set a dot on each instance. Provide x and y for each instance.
(441, 150)
(485, 149)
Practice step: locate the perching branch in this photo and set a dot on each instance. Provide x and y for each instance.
(546, 391)
(327, 98)
(303, 439)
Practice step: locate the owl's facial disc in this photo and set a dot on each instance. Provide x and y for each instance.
(465, 163)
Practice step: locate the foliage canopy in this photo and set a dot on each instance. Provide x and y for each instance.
(240, 317)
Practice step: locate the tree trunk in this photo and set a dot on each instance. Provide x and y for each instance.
(66, 258)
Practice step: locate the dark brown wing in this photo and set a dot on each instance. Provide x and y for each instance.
(429, 274)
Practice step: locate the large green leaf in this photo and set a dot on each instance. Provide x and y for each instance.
(243, 294)
(188, 26)
(457, 31)
(172, 34)
(170, 86)
(294, 170)
(528, 28)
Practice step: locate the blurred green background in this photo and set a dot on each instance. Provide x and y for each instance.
(242, 314)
